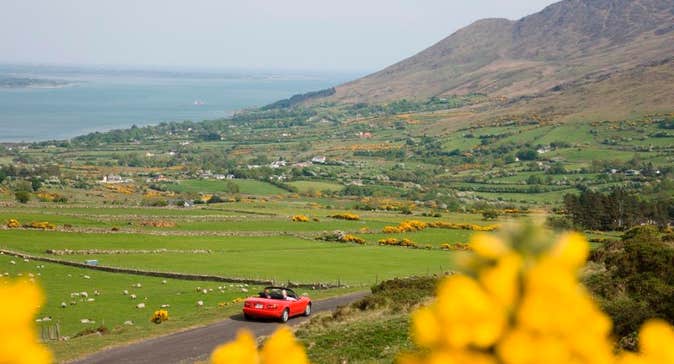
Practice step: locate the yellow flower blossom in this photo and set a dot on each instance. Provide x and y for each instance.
(468, 314)
(282, 344)
(488, 246)
(280, 347)
(18, 339)
(501, 280)
(524, 305)
(243, 350)
(571, 249)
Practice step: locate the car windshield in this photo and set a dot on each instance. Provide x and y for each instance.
(276, 293)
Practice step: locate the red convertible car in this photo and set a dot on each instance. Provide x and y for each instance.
(276, 303)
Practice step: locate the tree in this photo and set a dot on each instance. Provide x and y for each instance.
(490, 214)
(35, 184)
(527, 155)
(22, 196)
(638, 280)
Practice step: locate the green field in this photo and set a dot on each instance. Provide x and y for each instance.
(251, 187)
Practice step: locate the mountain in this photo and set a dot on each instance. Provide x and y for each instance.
(615, 52)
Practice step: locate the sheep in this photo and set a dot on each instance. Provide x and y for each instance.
(165, 306)
(133, 296)
(140, 305)
(244, 290)
(26, 260)
(97, 293)
(63, 305)
(125, 292)
(163, 281)
(128, 322)
(200, 303)
(86, 277)
(85, 321)
(91, 299)
(204, 291)
(84, 294)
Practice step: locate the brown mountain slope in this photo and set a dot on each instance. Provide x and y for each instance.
(573, 45)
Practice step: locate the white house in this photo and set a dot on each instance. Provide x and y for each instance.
(318, 159)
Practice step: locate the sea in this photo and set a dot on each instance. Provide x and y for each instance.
(105, 98)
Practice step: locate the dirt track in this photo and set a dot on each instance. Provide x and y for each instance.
(196, 344)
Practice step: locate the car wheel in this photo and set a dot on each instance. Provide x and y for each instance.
(285, 315)
(247, 317)
(307, 310)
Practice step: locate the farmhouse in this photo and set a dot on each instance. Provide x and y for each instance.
(114, 178)
(318, 159)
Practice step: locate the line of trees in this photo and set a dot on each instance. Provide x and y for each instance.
(618, 210)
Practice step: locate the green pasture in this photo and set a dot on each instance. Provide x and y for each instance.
(112, 308)
(246, 186)
(318, 186)
(278, 257)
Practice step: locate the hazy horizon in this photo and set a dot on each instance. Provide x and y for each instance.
(299, 35)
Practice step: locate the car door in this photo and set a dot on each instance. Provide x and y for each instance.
(296, 306)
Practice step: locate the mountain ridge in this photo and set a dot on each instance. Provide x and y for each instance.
(560, 48)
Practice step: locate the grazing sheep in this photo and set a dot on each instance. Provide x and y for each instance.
(165, 306)
(26, 260)
(140, 305)
(163, 282)
(244, 290)
(200, 303)
(73, 303)
(97, 293)
(125, 292)
(133, 296)
(128, 322)
(91, 299)
(86, 277)
(85, 321)
(204, 291)
(84, 294)
(63, 305)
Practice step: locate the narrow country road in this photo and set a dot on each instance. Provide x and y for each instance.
(197, 344)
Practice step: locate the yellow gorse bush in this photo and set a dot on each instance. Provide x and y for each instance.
(300, 218)
(159, 316)
(20, 302)
(281, 347)
(13, 223)
(346, 216)
(349, 238)
(519, 302)
(43, 225)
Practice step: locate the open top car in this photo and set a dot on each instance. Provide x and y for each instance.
(276, 303)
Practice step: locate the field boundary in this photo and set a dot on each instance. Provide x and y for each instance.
(183, 276)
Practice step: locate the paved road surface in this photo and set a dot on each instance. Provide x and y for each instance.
(197, 344)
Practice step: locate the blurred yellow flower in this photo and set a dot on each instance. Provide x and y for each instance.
(19, 343)
(488, 246)
(281, 347)
(656, 344)
(520, 302)
(243, 350)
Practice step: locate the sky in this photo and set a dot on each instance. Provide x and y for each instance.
(336, 35)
